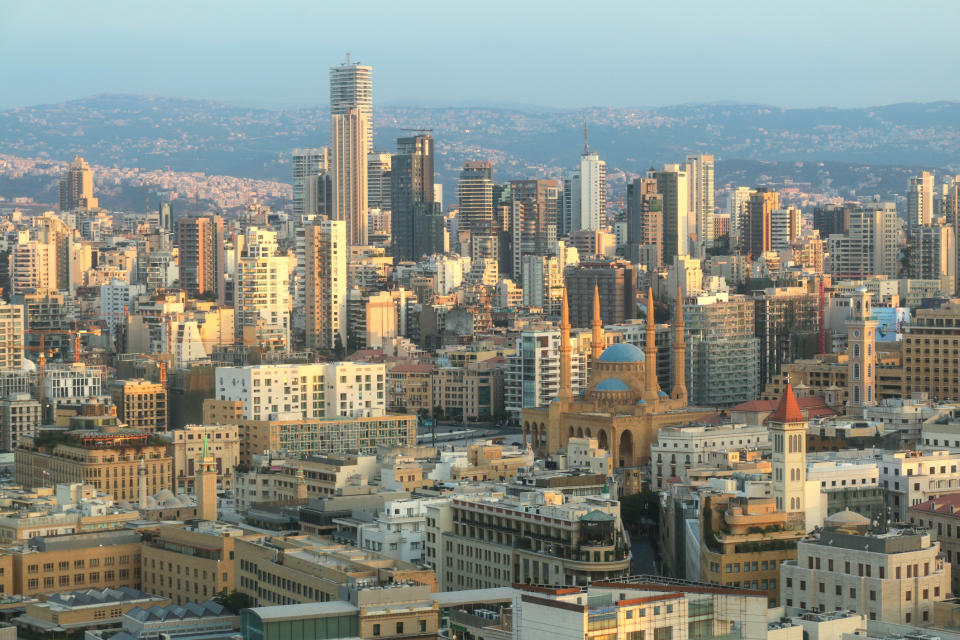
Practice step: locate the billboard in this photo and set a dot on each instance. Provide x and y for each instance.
(890, 322)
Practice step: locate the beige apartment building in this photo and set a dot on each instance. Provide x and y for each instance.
(141, 404)
(108, 460)
(931, 353)
(941, 517)
(185, 446)
(410, 388)
(11, 336)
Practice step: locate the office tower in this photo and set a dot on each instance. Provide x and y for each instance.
(920, 199)
(201, 256)
(950, 202)
(351, 86)
(761, 206)
(645, 223)
(870, 246)
(929, 359)
(675, 191)
(411, 194)
(861, 356)
(785, 226)
(723, 355)
(788, 432)
(584, 194)
(738, 200)
(349, 133)
(12, 325)
(378, 180)
(262, 292)
(931, 252)
(617, 283)
(76, 186)
(534, 205)
(308, 165)
(325, 249)
(700, 171)
(475, 193)
(166, 217)
(829, 219)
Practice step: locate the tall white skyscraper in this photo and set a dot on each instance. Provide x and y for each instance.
(738, 200)
(262, 296)
(584, 203)
(325, 249)
(920, 199)
(351, 86)
(349, 170)
(700, 172)
(307, 166)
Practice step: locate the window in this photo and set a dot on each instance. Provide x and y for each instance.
(399, 628)
(873, 594)
(423, 626)
(376, 629)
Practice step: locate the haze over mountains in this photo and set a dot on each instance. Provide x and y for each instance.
(862, 151)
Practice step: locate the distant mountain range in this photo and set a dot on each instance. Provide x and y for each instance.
(843, 151)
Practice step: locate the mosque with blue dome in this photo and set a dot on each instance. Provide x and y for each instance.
(623, 405)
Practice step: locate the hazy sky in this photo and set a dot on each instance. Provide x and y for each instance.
(629, 53)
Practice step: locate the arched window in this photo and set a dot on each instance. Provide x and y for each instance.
(856, 371)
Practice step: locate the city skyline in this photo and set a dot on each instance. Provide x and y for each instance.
(815, 63)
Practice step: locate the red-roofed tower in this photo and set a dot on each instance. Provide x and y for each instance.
(788, 432)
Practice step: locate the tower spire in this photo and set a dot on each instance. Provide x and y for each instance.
(566, 387)
(652, 386)
(597, 341)
(586, 147)
(679, 391)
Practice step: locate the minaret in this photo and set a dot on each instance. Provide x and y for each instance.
(861, 354)
(651, 384)
(301, 484)
(679, 354)
(566, 385)
(142, 484)
(205, 485)
(597, 341)
(788, 431)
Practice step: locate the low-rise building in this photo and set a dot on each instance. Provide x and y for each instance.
(192, 621)
(912, 477)
(941, 517)
(679, 449)
(488, 539)
(20, 416)
(892, 575)
(70, 613)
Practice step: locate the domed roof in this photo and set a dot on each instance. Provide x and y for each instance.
(612, 384)
(846, 518)
(622, 352)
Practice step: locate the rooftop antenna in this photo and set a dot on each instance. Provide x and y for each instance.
(586, 147)
(348, 57)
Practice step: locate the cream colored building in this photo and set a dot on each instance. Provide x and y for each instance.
(11, 336)
(894, 576)
(186, 444)
(141, 404)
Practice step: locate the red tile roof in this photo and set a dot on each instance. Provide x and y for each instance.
(787, 410)
(945, 505)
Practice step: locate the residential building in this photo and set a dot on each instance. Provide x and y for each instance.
(759, 229)
(892, 575)
(411, 200)
(532, 378)
(681, 448)
(617, 286)
(870, 244)
(20, 416)
(932, 253)
(351, 87)
(534, 209)
(787, 322)
(202, 266)
(931, 360)
(585, 194)
(941, 517)
(379, 166)
(262, 292)
(141, 404)
(674, 188)
(645, 223)
(920, 199)
(912, 477)
(700, 169)
(349, 146)
(475, 194)
(307, 165)
(326, 284)
(11, 336)
(76, 186)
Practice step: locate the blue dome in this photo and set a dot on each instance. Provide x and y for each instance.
(622, 352)
(663, 394)
(612, 384)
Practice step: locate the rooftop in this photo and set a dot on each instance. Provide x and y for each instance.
(308, 610)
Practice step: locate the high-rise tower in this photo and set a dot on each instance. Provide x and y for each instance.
(411, 194)
(325, 284)
(920, 199)
(788, 431)
(672, 183)
(351, 86)
(700, 170)
(475, 192)
(351, 141)
(308, 165)
(76, 186)
(861, 349)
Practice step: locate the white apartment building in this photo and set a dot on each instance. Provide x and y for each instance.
(838, 474)
(895, 576)
(398, 530)
(942, 433)
(262, 293)
(116, 300)
(302, 391)
(72, 383)
(912, 477)
(11, 336)
(906, 415)
(325, 284)
(33, 265)
(533, 371)
(679, 449)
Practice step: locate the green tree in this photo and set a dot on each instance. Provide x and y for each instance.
(235, 601)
